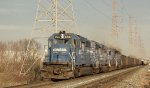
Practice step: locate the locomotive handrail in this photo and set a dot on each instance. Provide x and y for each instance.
(72, 58)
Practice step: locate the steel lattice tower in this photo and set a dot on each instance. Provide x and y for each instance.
(130, 31)
(115, 26)
(115, 29)
(51, 17)
(136, 46)
(56, 15)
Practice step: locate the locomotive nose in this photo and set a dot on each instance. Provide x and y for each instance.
(60, 54)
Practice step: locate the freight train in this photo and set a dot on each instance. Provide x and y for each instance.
(71, 55)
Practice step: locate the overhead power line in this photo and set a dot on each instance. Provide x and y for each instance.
(107, 4)
(124, 7)
(97, 10)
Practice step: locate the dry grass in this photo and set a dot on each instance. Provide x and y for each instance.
(12, 55)
(11, 77)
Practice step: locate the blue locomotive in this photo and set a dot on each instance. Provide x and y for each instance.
(71, 55)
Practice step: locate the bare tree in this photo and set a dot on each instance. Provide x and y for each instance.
(14, 54)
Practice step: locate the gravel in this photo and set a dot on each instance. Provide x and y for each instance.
(137, 79)
(78, 82)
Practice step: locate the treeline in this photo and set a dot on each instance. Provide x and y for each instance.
(14, 54)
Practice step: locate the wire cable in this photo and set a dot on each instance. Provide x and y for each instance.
(109, 5)
(99, 11)
(124, 8)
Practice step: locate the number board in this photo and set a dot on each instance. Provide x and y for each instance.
(62, 36)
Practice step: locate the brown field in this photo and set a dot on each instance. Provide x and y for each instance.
(12, 56)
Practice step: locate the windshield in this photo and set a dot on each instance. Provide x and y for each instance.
(61, 41)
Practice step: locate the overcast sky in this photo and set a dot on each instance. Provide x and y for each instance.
(93, 18)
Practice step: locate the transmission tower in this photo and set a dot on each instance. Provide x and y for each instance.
(136, 46)
(115, 26)
(115, 29)
(51, 17)
(130, 32)
(57, 15)
(141, 48)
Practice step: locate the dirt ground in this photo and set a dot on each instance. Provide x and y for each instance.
(147, 79)
(139, 79)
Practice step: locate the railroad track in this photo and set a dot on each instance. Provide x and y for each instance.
(86, 81)
(34, 85)
(111, 81)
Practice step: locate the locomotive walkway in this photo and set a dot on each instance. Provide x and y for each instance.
(97, 80)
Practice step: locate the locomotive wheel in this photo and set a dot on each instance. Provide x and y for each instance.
(97, 71)
(76, 73)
